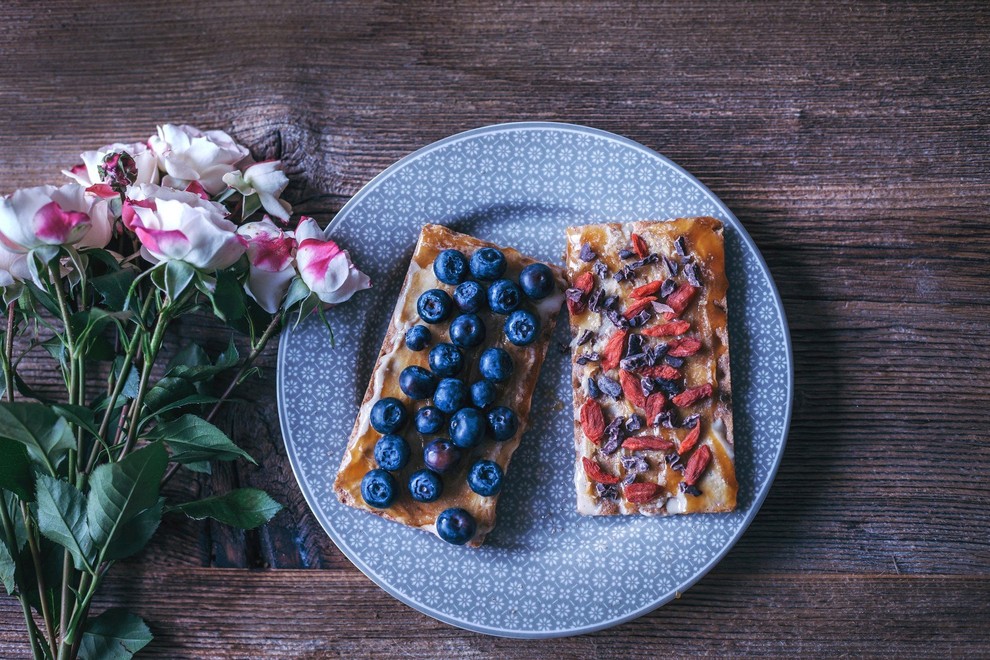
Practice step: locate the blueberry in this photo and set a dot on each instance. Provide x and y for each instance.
(446, 360)
(417, 383)
(536, 281)
(425, 486)
(503, 423)
(504, 296)
(483, 394)
(450, 267)
(456, 526)
(496, 364)
(378, 489)
(485, 478)
(470, 296)
(521, 327)
(467, 427)
(429, 420)
(434, 306)
(451, 395)
(488, 264)
(441, 455)
(391, 452)
(467, 330)
(418, 337)
(388, 415)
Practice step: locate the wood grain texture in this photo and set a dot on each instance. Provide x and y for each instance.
(849, 138)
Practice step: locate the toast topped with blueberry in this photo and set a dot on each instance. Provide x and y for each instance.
(650, 368)
(449, 397)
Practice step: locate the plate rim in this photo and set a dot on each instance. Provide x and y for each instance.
(342, 545)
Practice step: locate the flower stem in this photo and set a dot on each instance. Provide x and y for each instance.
(8, 352)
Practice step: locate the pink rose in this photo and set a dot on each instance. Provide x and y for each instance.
(87, 173)
(45, 215)
(269, 251)
(267, 181)
(190, 230)
(324, 267)
(187, 154)
(147, 194)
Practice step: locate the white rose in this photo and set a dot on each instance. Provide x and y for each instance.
(86, 174)
(45, 215)
(13, 267)
(269, 251)
(198, 234)
(147, 194)
(267, 180)
(187, 154)
(324, 267)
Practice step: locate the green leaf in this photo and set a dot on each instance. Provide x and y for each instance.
(205, 371)
(62, 518)
(297, 292)
(191, 355)
(193, 399)
(203, 467)
(133, 380)
(114, 635)
(81, 416)
(46, 435)
(178, 275)
(228, 297)
(135, 534)
(245, 508)
(7, 567)
(120, 491)
(34, 294)
(193, 439)
(166, 391)
(15, 469)
(113, 288)
(251, 204)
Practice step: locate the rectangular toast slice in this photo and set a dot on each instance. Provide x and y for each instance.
(650, 368)
(515, 393)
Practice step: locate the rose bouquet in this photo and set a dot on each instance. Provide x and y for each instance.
(92, 273)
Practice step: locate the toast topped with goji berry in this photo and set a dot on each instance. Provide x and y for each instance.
(650, 366)
(450, 394)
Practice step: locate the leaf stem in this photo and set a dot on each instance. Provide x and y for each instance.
(46, 612)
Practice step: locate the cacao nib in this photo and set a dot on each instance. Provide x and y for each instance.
(651, 258)
(675, 362)
(607, 491)
(667, 288)
(629, 478)
(585, 337)
(690, 490)
(635, 464)
(656, 353)
(661, 308)
(611, 444)
(617, 319)
(691, 421)
(640, 319)
(587, 254)
(680, 246)
(623, 273)
(626, 254)
(674, 461)
(664, 419)
(601, 270)
(634, 362)
(633, 424)
(592, 388)
(611, 302)
(610, 386)
(574, 294)
(585, 358)
(595, 301)
(634, 344)
(649, 385)
(693, 274)
(670, 265)
(669, 387)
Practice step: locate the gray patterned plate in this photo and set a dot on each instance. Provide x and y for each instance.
(544, 571)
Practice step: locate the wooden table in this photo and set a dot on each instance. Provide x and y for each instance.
(851, 139)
